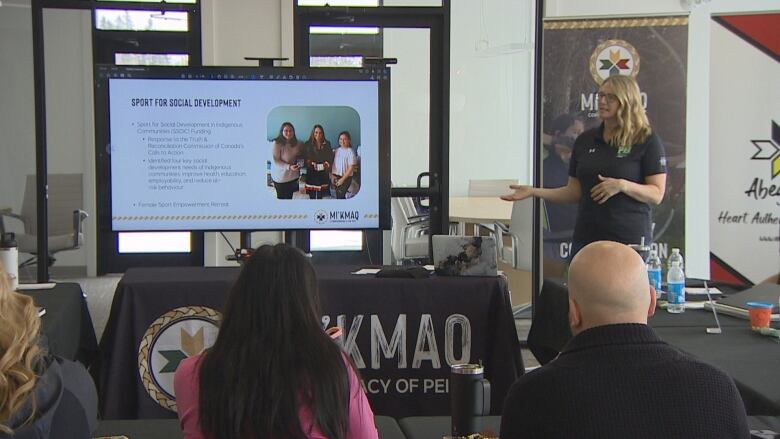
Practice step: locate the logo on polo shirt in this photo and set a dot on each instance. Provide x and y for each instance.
(176, 335)
(613, 57)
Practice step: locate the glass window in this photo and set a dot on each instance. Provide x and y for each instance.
(154, 242)
(336, 61)
(343, 30)
(365, 3)
(151, 59)
(336, 240)
(114, 19)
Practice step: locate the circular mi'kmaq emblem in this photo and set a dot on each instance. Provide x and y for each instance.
(174, 336)
(320, 216)
(613, 57)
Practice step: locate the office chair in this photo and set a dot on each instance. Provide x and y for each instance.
(65, 218)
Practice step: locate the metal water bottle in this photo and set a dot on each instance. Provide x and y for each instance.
(469, 398)
(9, 258)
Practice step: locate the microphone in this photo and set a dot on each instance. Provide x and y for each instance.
(717, 330)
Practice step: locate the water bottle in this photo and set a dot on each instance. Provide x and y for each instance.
(676, 256)
(9, 257)
(654, 271)
(675, 288)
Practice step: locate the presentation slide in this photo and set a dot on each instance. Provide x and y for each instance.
(198, 154)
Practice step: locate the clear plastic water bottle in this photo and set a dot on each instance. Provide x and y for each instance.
(9, 258)
(675, 256)
(675, 288)
(654, 270)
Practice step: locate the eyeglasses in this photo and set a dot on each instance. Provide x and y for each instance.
(611, 98)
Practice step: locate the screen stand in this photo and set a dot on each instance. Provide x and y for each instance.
(298, 239)
(246, 240)
(244, 250)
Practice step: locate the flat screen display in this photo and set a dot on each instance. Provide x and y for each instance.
(243, 149)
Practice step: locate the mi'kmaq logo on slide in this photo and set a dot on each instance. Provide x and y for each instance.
(174, 336)
(769, 150)
(613, 57)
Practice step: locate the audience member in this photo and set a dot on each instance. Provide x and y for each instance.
(272, 372)
(286, 168)
(41, 396)
(616, 377)
(344, 164)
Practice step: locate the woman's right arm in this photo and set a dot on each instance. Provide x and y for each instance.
(186, 386)
(276, 152)
(565, 194)
(361, 417)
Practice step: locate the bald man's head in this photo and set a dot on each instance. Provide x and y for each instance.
(608, 284)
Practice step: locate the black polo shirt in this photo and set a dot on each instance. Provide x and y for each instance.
(621, 218)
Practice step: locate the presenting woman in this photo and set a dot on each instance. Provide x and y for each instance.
(41, 395)
(319, 159)
(285, 169)
(272, 372)
(616, 173)
(343, 165)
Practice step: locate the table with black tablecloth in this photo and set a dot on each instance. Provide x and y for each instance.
(436, 320)
(169, 428)
(66, 325)
(750, 359)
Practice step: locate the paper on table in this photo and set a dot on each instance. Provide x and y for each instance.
(45, 286)
(367, 271)
(695, 291)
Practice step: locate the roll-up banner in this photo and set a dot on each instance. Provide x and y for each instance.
(578, 56)
(745, 148)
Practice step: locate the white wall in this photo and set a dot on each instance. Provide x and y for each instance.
(491, 91)
(697, 233)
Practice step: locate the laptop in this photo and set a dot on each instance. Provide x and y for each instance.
(464, 255)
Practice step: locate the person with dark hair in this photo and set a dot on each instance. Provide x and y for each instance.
(558, 144)
(41, 395)
(616, 378)
(272, 372)
(617, 171)
(319, 160)
(343, 165)
(285, 169)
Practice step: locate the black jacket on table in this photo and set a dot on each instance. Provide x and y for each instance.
(622, 381)
(65, 404)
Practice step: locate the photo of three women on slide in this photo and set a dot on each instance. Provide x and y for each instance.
(313, 162)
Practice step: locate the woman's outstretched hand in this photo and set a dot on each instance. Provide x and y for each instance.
(521, 193)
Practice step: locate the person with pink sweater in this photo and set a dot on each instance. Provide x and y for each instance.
(272, 372)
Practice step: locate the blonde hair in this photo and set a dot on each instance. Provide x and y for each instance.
(633, 126)
(19, 351)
